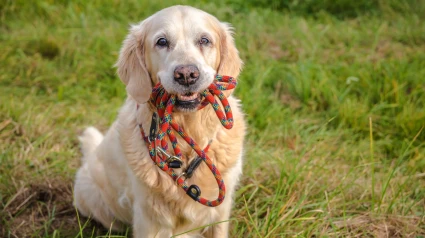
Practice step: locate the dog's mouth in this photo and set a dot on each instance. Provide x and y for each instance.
(188, 101)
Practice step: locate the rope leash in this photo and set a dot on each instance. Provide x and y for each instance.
(156, 141)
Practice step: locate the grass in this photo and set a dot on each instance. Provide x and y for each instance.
(334, 94)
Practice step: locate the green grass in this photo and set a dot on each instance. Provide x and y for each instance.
(333, 91)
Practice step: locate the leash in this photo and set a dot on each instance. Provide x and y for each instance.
(156, 141)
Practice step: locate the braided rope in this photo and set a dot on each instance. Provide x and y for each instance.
(164, 104)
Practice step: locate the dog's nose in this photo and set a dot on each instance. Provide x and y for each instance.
(186, 74)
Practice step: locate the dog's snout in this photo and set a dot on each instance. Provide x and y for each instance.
(186, 74)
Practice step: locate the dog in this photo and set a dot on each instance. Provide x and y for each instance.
(118, 184)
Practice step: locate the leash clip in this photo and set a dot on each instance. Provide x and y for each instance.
(172, 161)
(187, 174)
(181, 175)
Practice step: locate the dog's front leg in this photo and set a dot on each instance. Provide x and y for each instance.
(148, 219)
(145, 227)
(221, 230)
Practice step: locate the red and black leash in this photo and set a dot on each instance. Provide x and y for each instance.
(156, 141)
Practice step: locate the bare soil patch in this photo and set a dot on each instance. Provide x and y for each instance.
(40, 209)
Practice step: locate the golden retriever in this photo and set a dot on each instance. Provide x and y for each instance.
(118, 183)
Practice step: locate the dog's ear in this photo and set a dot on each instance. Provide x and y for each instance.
(230, 63)
(131, 65)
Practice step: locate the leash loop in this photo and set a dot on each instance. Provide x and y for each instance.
(156, 141)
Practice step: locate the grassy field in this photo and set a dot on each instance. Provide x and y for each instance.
(334, 93)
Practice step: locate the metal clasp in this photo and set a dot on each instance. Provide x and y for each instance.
(172, 161)
(181, 175)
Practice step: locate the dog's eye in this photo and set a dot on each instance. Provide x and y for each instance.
(162, 42)
(204, 41)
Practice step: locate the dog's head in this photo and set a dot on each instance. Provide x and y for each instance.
(181, 47)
